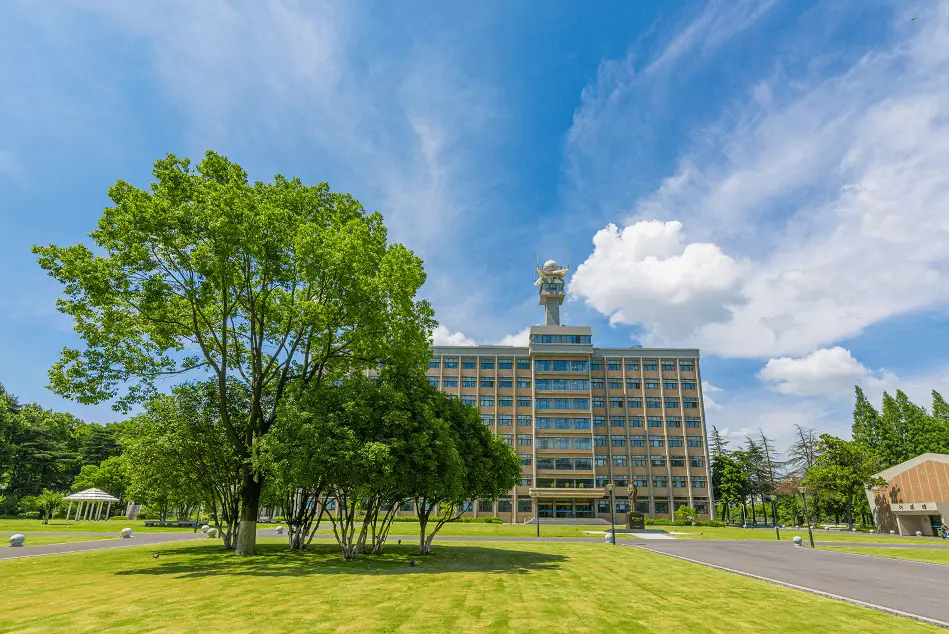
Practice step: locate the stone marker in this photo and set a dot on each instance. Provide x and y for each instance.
(126, 533)
(17, 540)
(280, 530)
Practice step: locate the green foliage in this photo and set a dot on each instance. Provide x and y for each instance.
(843, 469)
(684, 513)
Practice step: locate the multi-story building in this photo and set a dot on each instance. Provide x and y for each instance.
(583, 418)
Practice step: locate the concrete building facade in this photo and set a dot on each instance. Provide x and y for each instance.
(583, 418)
(915, 498)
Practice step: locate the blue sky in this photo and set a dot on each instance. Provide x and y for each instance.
(765, 180)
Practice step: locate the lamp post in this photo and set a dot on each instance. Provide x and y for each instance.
(810, 534)
(609, 487)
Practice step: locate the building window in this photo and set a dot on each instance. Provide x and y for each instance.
(544, 462)
(450, 382)
(652, 384)
(698, 482)
(433, 363)
(640, 482)
(506, 401)
(697, 461)
(485, 506)
(662, 507)
(616, 385)
(583, 464)
(633, 384)
(599, 441)
(670, 385)
(655, 421)
(602, 506)
(580, 403)
(469, 381)
(545, 442)
(690, 403)
(672, 403)
(600, 461)
(693, 422)
(638, 461)
(524, 505)
(468, 363)
(525, 459)
(660, 482)
(542, 422)
(487, 419)
(596, 384)
(596, 364)
(636, 403)
(451, 362)
(675, 441)
(562, 423)
(598, 401)
(508, 439)
(617, 421)
(678, 482)
(505, 420)
(407, 506)
(653, 403)
(658, 461)
(686, 366)
(564, 464)
(637, 441)
(433, 381)
(622, 504)
(504, 504)
(487, 401)
(467, 400)
(487, 382)
(523, 401)
(523, 383)
(650, 366)
(676, 461)
(673, 421)
(523, 421)
(655, 441)
(487, 364)
(695, 441)
(668, 366)
(700, 505)
(525, 481)
(582, 443)
(618, 441)
(688, 385)
(635, 421)
(599, 421)
(616, 403)
(619, 461)
(632, 366)
(505, 364)
(613, 365)
(581, 423)
(505, 382)
(562, 384)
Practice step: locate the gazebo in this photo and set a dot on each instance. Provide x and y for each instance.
(90, 504)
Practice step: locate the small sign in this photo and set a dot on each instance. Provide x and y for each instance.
(913, 506)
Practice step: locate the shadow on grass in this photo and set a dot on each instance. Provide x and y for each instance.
(275, 560)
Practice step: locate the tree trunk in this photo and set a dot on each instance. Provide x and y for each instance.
(250, 505)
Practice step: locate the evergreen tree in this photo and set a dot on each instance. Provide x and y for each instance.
(718, 446)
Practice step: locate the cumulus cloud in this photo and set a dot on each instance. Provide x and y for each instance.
(708, 388)
(442, 336)
(646, 273)
(520, 339)
(831, 371)
(829, 186)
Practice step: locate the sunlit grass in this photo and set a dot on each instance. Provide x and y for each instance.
(729, 532)
(113, 525)
(929, 555)
(473, 587)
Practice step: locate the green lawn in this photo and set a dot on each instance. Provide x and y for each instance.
(113, 525)
(492, 530)
(42, 540)
(501, 587)
(728, 532)
(930, 555)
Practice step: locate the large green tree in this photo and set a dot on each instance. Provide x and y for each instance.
(842, 470)
(278, 286)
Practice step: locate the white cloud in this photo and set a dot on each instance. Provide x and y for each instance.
(830, 371)
(442, 336)
(833, 187)
(646, 273)
(520, 339)
(710, 403)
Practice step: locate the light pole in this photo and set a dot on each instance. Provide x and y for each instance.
(810, 534)
(609, 487)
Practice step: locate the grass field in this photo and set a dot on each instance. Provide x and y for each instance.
(503, 587)
(43, 540)
(61, 525)
(930, 555)
(728, 532)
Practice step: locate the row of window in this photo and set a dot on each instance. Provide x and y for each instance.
(561, 339)
(561, 384)
(613, 365)
(638, 481)
(564, 422)
(508, 382)
(636, 402)
(640, 441)
(577, 403)
(583, 442)
(580, 509)
(544, 462)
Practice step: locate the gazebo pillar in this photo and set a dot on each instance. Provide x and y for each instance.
(68, 510)
(107, 509)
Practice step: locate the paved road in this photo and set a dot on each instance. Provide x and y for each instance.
(907, 587)
(139, 539)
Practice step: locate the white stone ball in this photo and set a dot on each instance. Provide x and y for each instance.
(919, 533)
(280, 530)
(797, 540)
(17, 540)
(609, 538)
(204, 529)
(892, 532)
(212, 532)
(126, 533)
(853, 530)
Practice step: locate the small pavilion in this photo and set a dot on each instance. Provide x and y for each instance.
(90, 504)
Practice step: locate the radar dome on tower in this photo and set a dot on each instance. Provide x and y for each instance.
(550, 265)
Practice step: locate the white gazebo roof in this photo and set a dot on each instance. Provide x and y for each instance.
(91, 495)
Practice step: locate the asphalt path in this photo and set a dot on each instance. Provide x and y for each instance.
(908, 588)
(138, 539)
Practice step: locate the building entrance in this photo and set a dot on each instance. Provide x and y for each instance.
(567, 509)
